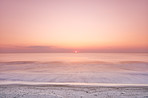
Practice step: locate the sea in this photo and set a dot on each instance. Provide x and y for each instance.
(123, 68)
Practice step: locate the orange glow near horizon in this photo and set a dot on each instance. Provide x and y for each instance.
(65, 25)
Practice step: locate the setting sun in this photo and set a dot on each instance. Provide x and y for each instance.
(75, 51)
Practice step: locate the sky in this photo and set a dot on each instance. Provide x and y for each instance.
(69, 25)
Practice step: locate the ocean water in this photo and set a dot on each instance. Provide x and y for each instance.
(123, 68)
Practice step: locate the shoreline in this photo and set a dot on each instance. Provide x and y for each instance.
(71, 84)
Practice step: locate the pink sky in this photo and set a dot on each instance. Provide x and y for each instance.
(68, 25)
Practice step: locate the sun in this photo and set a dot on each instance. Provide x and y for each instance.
(75, 51)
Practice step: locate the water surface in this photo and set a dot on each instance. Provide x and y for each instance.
(122, 68)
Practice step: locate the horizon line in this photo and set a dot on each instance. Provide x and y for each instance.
(73, 52)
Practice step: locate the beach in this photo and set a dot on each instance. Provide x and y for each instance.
(72, 91)
(64, 75)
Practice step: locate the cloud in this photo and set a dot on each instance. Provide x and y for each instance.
(53, 49)
(40, 47)
(32, 49)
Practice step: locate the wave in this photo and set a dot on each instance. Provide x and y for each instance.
(75, 71)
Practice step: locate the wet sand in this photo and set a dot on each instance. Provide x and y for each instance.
(71, 91)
